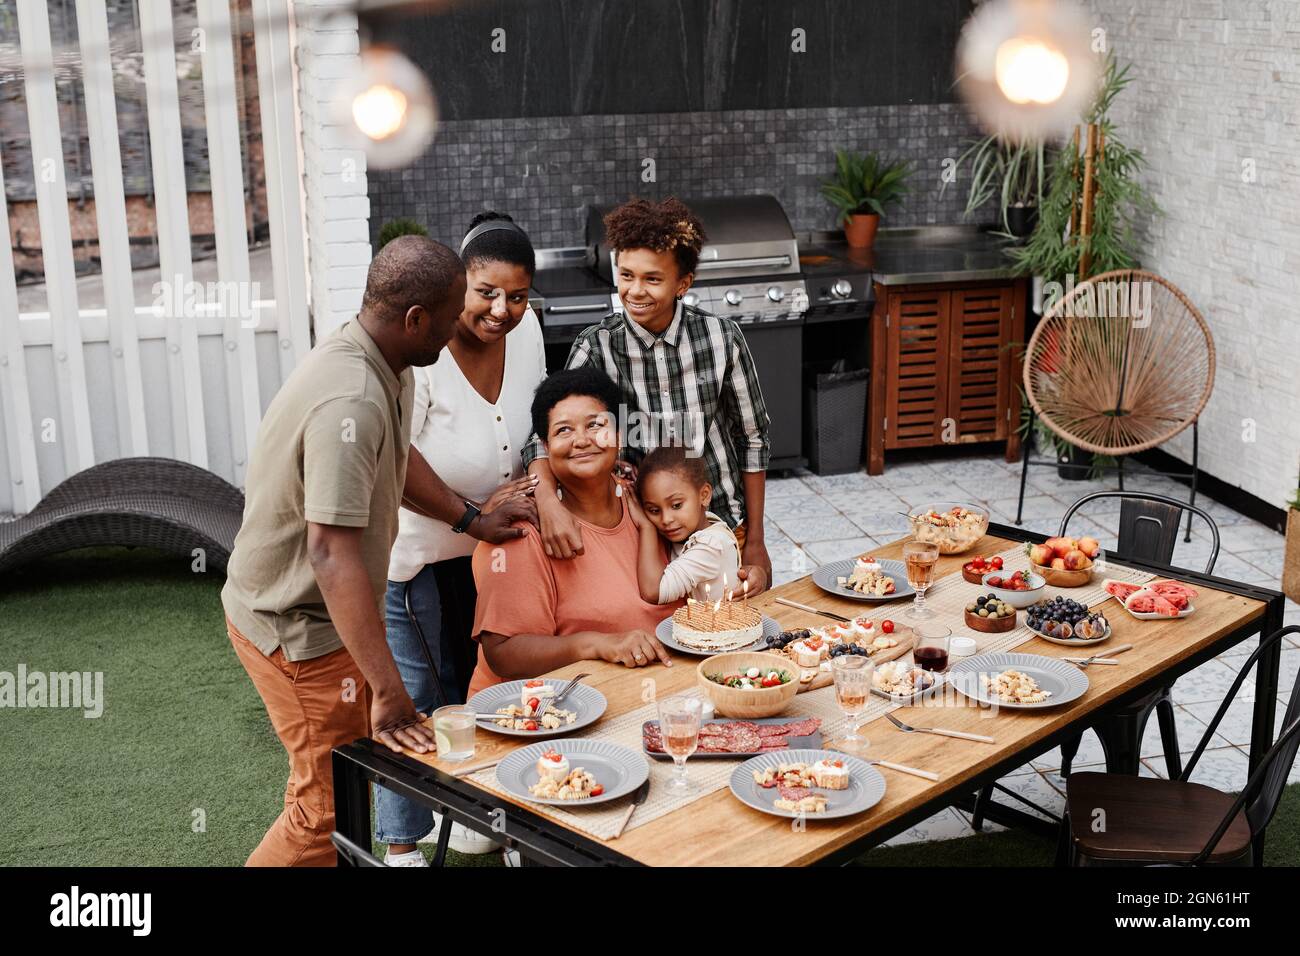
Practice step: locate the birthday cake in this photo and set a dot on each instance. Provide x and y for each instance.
(716, 628)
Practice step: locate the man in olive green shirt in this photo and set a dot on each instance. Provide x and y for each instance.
(305, 583)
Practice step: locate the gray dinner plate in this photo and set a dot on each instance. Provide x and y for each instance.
(826, 577)
(812, 741)
(665, 634)
(587, 702)
(866, 785)
(620, 770)
(1063, 680)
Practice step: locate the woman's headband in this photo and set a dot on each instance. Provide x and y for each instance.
(489, 226)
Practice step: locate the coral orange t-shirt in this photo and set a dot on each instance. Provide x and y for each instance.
(522, 591)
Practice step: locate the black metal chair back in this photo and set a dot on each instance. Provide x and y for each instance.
(352, 853)
(1263, 791)
(1148, 524)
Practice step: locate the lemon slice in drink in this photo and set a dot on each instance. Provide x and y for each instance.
(441, 737)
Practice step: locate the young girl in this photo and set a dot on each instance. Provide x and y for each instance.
(671, 499)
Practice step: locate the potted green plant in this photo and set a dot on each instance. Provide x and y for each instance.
(1291, 563)
(403, 226)
(1011, 172)
(1055, 251)
(864, 185)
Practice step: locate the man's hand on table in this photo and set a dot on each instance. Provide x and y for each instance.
(396, 723)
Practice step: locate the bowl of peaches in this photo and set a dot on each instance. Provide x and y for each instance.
(1065, 562)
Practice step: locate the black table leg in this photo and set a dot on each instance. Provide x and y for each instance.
(444, 838)
(351, 802)
(1267, 669)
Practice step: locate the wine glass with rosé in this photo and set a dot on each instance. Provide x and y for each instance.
(679, 725)
(920, 557)
(852, 674)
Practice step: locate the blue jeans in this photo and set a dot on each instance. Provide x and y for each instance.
(441, 599)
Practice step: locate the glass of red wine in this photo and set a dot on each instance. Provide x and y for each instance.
(930, 650)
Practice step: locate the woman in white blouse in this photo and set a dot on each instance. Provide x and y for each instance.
(471, 417)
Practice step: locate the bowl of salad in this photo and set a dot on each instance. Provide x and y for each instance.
(953, 526)
(748, 684)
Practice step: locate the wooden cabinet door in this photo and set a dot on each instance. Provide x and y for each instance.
(979, 362)
(916, 368)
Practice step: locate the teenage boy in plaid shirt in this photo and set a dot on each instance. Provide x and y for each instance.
(687, 374)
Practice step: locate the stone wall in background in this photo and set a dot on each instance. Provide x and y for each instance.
(543, 171)
(1213, 106)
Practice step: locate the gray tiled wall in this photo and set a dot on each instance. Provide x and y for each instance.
(544, 170)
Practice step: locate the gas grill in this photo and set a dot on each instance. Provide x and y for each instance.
(749, 271)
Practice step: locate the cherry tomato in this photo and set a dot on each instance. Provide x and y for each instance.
(887, 626)
(530, 725)
(996, 563)
(597, 790)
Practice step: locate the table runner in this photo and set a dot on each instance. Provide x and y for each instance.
(948, 598)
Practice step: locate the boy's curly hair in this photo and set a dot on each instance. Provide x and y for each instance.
(667, 226)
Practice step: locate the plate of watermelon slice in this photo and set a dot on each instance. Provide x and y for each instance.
(1155, 600)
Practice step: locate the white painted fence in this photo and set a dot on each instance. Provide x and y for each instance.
(180, 379)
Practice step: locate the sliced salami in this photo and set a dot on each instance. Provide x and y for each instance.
(746, 741)
(803, 728)
(793, 794)
(775, 743)
(772, 730)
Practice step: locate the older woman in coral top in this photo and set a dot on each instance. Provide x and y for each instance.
(537, 613)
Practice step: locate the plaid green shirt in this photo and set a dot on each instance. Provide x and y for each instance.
(695, 385)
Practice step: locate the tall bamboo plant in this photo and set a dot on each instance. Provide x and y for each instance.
(1120, 201)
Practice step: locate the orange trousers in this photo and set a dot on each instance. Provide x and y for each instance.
(314, 706)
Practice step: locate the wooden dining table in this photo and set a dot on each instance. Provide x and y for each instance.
(719, 830)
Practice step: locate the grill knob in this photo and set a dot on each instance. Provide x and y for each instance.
(842, 288)
(691, 299)
(733, 297)
(775, 293)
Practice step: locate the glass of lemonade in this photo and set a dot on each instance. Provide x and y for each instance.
(453, 728)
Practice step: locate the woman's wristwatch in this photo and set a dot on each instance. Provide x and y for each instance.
(472, 511)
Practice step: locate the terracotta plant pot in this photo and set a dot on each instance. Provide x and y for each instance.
(1291, 563)
(860, 230)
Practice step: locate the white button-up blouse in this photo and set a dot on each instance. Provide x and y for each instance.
(471, 444)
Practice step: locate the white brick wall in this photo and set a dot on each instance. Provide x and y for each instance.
(1215, 84)
(334, 177)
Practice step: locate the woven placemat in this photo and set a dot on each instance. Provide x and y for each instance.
(948, 598)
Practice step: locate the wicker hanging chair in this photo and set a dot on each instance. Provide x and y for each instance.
(1112, 378)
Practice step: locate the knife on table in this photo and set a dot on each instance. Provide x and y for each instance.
(638, 798)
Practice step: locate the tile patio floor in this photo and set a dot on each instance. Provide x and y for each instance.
(811, 520)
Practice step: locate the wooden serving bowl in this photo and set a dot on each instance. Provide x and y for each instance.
(974, 577)
(990, 625)
(1064, 579)
(748, 704)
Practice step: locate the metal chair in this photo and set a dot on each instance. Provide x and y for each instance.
(1148, 531)
(1114, 820)
(1114, 379)
(351, 854)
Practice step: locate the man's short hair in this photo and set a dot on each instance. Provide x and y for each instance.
(410, 270)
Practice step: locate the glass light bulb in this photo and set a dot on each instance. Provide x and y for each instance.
(379, 111)
(1030, 71)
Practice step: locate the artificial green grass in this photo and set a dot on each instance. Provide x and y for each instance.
(183, 730)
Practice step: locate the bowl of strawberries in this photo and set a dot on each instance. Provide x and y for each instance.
(1065, 562)
(975, 569)
(1018, 588)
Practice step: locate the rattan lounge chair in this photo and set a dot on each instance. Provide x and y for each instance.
(135, 502)
(1116, 380)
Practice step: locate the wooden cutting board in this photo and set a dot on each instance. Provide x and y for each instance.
(902, 634)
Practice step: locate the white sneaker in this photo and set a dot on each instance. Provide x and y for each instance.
(463, 839)
(411, 858)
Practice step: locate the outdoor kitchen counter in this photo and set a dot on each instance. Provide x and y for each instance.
(918, 255)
